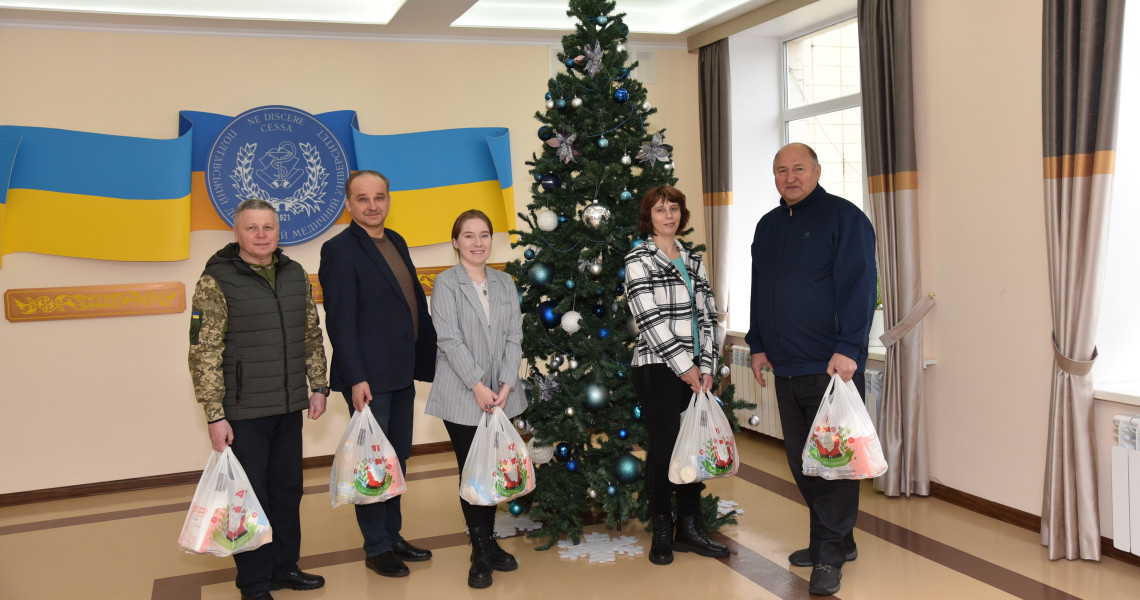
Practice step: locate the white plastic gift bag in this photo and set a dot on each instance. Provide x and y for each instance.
(705, 447)
(498, 467)
(843, 443)
(365, 467)
(225, 516)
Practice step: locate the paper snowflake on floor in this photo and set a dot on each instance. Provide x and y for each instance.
(508, 525)
(600, 548)
(723, 507)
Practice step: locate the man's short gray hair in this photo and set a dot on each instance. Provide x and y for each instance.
(252, 204)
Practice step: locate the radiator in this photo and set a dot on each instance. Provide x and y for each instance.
(1126, 484)
(764, 397)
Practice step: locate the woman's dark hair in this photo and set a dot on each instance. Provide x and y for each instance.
(474, 213)
(667, 193)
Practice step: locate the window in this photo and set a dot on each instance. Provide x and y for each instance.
(794, 79)
(1118, 331)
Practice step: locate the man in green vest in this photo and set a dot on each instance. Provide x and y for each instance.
(256, 351)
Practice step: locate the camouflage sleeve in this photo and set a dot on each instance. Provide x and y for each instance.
(314, 343)
(208, 319)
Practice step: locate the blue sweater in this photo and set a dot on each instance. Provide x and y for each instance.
(813, 284)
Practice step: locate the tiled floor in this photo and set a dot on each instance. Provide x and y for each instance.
(122, 546)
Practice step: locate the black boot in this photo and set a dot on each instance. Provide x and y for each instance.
(501, 560)
(690, 538)
(480, 574)
(661, 553)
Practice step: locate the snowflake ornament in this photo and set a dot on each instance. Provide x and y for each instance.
(723, 507)
(654, 150)
(508, 525)
(546, 386)
(600, 548)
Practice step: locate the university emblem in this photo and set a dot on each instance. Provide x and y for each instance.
(286, 157)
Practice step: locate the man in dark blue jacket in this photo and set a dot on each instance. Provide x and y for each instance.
(813, 295)
(383, 340)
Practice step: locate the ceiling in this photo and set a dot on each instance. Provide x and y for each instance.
(660, 21)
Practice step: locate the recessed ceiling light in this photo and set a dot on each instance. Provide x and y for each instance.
(642, 16)
(368, 12)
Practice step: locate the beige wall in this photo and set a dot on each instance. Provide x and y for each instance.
(105, 399)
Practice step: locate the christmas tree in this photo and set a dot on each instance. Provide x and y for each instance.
(599, 156)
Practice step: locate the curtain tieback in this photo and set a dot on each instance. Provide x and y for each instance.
(1070, 366)
(912, 319)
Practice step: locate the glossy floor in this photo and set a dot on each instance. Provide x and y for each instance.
(122, 546)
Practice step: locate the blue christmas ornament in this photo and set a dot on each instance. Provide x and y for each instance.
(561, 218)
(625, 195)
(515, 508)
(546, 313)
(623, 433)
(545, 133)
(548, 96)
(635, 243)
(719, 401)
(539, 274)
(529, 254)
(621, 75)
(602, 20)
(627, 468)
(603, 333)
(569, 62)
(624, 31)
(637, 413)
(550, 182)
(597, 396)
(621, 273)
(571, 465)
(620, 374)
(560, 103)
(600, 311)
(611, 490)
(562, 450)
(619, 289)
(621, 95)
(538, 176)
(603, 143)
(569, 284)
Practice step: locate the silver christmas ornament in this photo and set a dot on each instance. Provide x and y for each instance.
(521, 425)
(724, 370)
(595, 216)
(626, 160)
(556, 361)
(569, 411)
(549, 104)
(595, 269)
(646, 106)
(576, 102)
(754, 420)
(546, 219)
(573, 364)
(591, 493)
(620, 48)
(667, 167)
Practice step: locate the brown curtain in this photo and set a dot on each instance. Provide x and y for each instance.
(716, 167)
(1081, 53)
(892, 177)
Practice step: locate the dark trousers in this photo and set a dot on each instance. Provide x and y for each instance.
(663, 396)
(269, 450)
(461, 438)
(380, 522)
(834, 505)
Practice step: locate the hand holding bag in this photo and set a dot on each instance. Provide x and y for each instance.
(365, 467)
(498, 467)
(705, 447)
(842, 443)
(225, 516)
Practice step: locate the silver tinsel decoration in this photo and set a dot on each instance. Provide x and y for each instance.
(594, 59)
(654, 150)
(545, 384)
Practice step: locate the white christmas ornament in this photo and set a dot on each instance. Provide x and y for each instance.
(570, 321)
(547, 219)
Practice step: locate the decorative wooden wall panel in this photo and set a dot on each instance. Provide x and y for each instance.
(94, 301)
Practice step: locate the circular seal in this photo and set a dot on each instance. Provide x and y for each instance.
(286, 157)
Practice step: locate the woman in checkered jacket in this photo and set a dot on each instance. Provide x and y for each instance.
(676, 352)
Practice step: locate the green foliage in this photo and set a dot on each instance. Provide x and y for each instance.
(592, 173)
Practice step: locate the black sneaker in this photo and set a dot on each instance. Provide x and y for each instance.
(824, 580)
(802, 558)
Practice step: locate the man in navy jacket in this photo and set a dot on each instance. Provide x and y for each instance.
(813, 296)
(382, 337)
